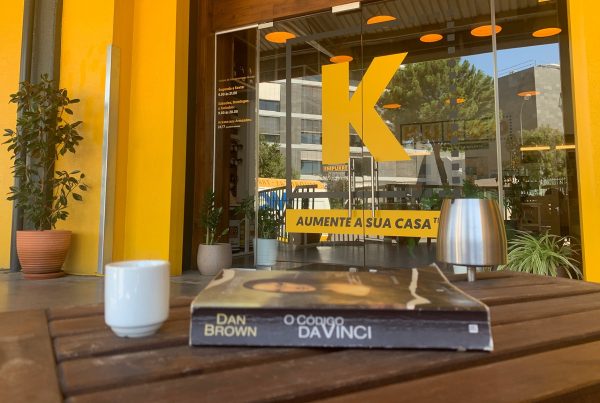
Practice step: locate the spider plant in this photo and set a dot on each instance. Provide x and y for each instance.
(544, 254)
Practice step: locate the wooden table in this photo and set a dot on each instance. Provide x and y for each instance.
(547, 347)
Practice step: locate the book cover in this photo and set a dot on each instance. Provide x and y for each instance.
(415, 308)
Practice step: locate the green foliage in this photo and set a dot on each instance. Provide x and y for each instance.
(269, 222)
(336, 183)
(271, 163)
(547, 164)
(451, 91)
(544, 254)
(472, 191)
(43, 133)
(246, 208)
(425, 89)
(433, 202)
(210, 217)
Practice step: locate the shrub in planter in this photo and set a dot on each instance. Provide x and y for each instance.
(546, 254)
(44, 133)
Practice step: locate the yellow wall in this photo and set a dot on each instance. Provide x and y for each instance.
(585, 60)
(10, 60)
(150, 178)
(155, 178)
(86, 33)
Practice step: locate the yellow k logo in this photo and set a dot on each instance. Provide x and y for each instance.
(359, 111)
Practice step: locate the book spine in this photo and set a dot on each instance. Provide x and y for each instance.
(339, 328)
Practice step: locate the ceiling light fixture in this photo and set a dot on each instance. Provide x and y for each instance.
(485, 30)
(279, 36)
(430, 38)
(378, 19)
(458, 101)
(566, 147)
(535, 148)
(546, 32)
(341, 59)
(528, 93)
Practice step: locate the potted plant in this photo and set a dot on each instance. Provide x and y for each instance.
(212, 256)
(546, 254)
(266, 243)
(43, 134)
(245, 210)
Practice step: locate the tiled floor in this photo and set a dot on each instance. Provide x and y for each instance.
(19, 294)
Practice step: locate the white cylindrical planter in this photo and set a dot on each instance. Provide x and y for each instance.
(266, 252)
(213, 258)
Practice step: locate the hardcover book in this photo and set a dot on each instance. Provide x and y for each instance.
(414, 308)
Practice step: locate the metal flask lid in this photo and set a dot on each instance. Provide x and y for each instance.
(471, 233)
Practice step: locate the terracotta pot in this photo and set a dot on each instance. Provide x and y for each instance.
(212, 259)
(42, 253)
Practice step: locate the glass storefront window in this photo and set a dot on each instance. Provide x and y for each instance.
(537, 119)
(371, 124)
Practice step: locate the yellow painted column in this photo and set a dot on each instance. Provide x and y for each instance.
(585, 60)
(10, 61)
(87, 30)
(155, 178)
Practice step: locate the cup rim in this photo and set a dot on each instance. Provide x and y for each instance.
(138, 264)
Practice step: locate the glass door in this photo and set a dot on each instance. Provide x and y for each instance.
(428, 73)
(368, 118)
(311, 158)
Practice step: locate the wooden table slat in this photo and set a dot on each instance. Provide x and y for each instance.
(508, 282)
(519, 312)
(561, 375)
(107, 372)
(27, 370)
(501, 296)
(546, 334)
(95, 323)
(350, 370)
(71, 312)
(172, 333)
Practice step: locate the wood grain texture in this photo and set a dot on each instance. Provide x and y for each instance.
(105, 342)
(78, 311)
(236, 13)
(95, 323)
(27, 370)
(518, 312)
(546, 335)
(108, 372)
(500, 296)
(349, 370)
(202, 111)
(558, 375)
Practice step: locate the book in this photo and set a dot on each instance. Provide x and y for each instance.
(409, 308)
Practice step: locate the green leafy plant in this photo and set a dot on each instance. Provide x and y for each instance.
(43, 133)
(269, 222)
(210, 217)
(544, 254)
(471, 190)
(246, 209)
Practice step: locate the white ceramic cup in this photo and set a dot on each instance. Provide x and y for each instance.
(136, 296)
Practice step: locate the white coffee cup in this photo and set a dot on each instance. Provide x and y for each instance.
(136, 296)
